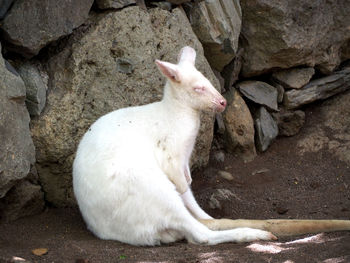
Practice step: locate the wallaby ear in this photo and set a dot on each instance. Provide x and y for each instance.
(187, 54)
(169, 70)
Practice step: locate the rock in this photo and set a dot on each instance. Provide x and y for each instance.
(331, 132)
(318, 89)
(219, 156)
(290, 33)
(178, 2)
(294, 78)
(17, 152)
(22, 200)
(232, 70)
(116, 4)
(163, 5)
(259, 92)
(226, 175)
(266, 129)
(36, 86)
(260, 171)
(219, 196)
(289, 122)
(25, 30)
(220, 123)
(4, 6)
(239, 132)
(280, 90)
(86, 82)
(217, 24)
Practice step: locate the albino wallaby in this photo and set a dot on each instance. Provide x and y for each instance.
(131, 173)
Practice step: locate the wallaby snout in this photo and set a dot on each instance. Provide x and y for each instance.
(220, 103)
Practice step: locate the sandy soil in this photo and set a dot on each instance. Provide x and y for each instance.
(280, 183)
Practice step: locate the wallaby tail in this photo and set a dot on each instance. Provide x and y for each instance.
(280, 227)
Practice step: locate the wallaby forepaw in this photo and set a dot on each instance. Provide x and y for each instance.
(250, 235)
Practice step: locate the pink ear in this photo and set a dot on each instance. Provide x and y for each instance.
(169, 70)
(187, 54)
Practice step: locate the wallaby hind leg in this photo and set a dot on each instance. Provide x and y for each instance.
(183, 224)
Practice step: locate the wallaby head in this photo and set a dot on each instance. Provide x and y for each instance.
(187, 85)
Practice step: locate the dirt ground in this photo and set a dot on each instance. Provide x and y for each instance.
(279, 183)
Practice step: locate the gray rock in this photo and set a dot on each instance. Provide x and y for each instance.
(163, 5)
(266, 129)
(36, 87)
(219, 156)
(220, 196)
(116, 4)
(239, 127)
(217, 24)
(86, 83)
(220, 123)
(178, 2)
(31, 25)
(290, 33)
(318, 89)
(231, 71)
(4, 6)
(294, 78)
(259, 92)
(22, 200)
(280, 90)
(289, 122)
(17, 151)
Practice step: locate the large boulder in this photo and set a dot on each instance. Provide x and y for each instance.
(217, 24)
(107, 67)
(17, 152)
(31, 25)
(289, 33)
(239, 127)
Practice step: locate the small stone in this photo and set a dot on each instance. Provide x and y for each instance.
(289, 122)
(294, 78)
(220, 123)
(219, 196)
(40, 251)
(260, 171)
(281, 210)
(114, 4)
(259, 92)
(36, 87)
(266, 129)
(226, 175)
(125, 65)
(219, 156)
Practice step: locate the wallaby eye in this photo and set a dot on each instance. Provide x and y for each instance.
(199, 89)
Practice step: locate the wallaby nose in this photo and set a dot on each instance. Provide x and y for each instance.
(223, 102)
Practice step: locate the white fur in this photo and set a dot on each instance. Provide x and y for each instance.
(131, 172)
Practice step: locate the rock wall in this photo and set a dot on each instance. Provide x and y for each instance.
(69, 62)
